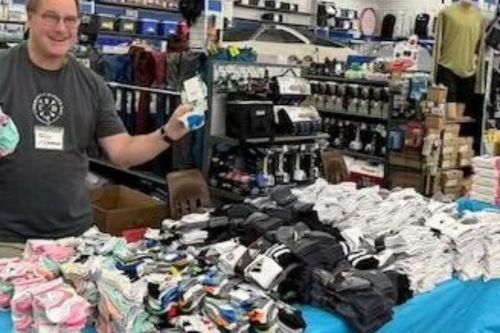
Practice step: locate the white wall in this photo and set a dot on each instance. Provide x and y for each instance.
(407, 10)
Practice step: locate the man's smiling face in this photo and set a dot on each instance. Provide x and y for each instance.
(54, 27)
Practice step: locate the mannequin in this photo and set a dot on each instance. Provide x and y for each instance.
(458, 61)
(459, 51)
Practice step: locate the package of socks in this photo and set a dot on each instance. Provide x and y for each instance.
(106, 22)
(290, 90)
(119, 208)
(127, 25)
(297, 120)
(148, 27)
(168, 28)
(249, 119)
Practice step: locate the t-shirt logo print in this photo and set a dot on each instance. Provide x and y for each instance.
(48, 108)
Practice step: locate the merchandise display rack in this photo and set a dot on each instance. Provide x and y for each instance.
(340, 79)
(360, 117)
(276, 10)
(134, 6)
(215, 117)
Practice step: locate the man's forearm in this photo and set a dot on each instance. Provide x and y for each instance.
(140, 149)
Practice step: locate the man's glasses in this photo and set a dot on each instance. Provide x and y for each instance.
(52, 19)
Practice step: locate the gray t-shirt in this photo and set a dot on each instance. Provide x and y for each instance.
(43, 192)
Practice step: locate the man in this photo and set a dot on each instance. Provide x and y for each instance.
(59, 108)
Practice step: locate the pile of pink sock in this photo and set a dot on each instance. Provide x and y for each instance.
(60, 251)
(50, 306)
(14, 272)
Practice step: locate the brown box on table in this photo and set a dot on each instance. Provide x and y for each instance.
(119, 208)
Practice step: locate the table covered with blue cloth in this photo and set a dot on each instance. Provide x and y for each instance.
(454, 307)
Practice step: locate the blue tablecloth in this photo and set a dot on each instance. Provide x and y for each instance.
(455, 307)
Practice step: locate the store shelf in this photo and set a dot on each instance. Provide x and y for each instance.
(353, 115)
(143, 176)
(226, 194)
(347, 80)
(134, 6)
(127, 35)
(12, 22)
(276, 140)
(465, 167)
(145, 89)
(276, 10)
(378, 159)
(465, 120)
(11, 40)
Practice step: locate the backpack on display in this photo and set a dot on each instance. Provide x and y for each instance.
(388, 24)
(422, 25)
(191, 9)
(249, 119)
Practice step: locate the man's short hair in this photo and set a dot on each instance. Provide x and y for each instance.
(32, 5)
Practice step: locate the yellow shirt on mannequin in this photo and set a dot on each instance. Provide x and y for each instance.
(462, 33)
(460, 43)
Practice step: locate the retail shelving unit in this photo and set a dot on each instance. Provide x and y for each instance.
(359, 117)
(215, 129)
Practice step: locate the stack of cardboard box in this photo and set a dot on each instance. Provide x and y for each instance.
(457, 152)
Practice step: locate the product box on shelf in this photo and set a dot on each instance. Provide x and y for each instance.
(450, 149)
(434, 122)
(452, 111)
(465, 158)
(453, 192)
(411, 159)
(119, 208)
(451, 132)
(450, 141)
(449, 160)
(127, 25)
(465, 144)
(438, 94)
(452, 178)
(148, 26)
(403, 178)
(106, 22)
(249, 119)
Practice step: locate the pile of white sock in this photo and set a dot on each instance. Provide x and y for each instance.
(426, 259)
(486, 180)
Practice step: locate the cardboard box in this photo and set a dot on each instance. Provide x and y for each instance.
(465, 158)
(404, 178)
(452, 128)
(452, 178)
(465, 144)
(460, 110)
(449, 161)
(452, 111)
(449, 150)
(119, 208)
(434, 122)
(450, 142)
(438, 94)
(412, 159)
(453, 192)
